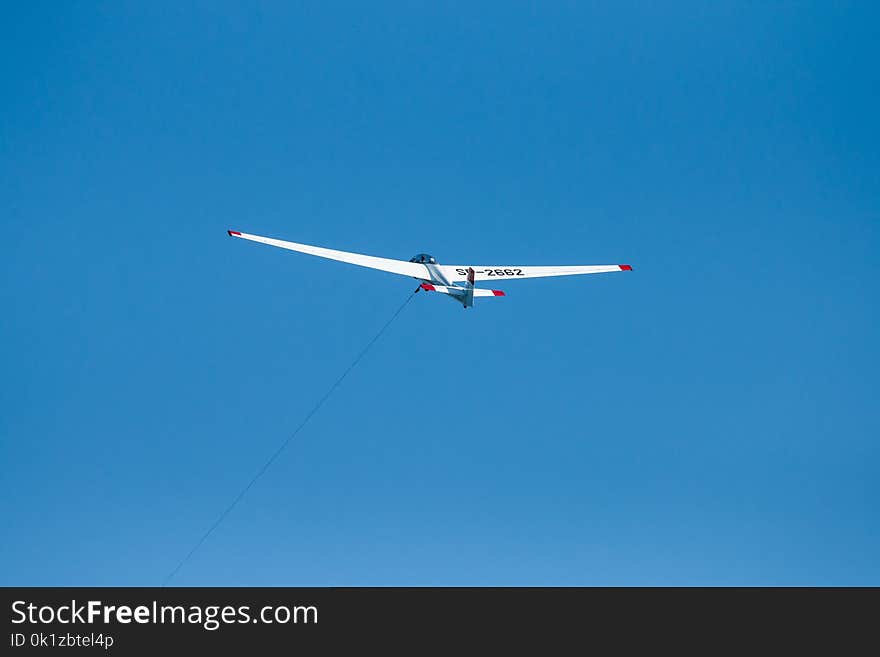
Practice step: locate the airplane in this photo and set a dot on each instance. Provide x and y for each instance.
(456, 281)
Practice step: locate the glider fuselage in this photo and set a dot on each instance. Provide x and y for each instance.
(438, 282)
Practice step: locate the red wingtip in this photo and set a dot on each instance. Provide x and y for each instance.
(233, 232)
(498, 293)
(625, 267)
(428, 287)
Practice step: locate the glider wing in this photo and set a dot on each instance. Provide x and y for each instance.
(492, 273)
(401, 267)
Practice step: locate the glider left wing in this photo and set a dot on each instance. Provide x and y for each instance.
(494, 273)
(401, 267)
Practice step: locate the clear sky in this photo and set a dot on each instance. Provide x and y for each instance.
(709, 418)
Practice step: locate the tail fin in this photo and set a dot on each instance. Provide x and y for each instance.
(468, 300)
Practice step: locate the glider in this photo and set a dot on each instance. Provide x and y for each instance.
(456, 281)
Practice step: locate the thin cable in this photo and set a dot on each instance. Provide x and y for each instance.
(280, 449)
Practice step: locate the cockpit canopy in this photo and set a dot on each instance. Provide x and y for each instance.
(424, 259)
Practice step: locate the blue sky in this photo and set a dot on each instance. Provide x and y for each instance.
(709, 418)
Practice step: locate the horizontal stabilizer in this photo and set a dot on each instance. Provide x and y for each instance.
(460, 292)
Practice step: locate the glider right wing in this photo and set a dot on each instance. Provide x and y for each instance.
(401, 267)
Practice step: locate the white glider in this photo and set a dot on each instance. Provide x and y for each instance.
(457, 281)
